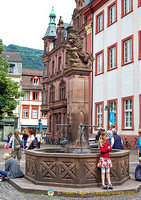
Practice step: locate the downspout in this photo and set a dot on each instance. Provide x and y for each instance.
(92, 66)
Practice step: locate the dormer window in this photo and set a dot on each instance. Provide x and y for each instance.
(35, 80)
(11, 68)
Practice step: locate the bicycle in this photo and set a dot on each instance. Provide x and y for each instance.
(134, 143)
(126, 143)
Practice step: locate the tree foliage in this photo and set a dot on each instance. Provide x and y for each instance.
(9, 90)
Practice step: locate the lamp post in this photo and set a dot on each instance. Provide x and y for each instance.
(40, 124)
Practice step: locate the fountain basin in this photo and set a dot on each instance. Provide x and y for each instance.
(54, 167)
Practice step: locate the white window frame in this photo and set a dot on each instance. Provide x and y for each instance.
(128, 51)
(127, 6)
(36, 96)
(112, 14)
(100, 22)
(99, 63)
(34, 113)
(26, 96)
(128, 109)
(25, 112)
(99, 115)
(112, 54)
(35, 81)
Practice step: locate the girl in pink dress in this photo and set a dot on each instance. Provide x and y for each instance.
(105, 162)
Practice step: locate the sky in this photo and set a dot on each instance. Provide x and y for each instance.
(24, 22)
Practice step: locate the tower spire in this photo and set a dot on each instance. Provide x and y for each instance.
(51, 30)
(52, 17)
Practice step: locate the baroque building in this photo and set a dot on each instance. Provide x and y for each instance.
(58, 85)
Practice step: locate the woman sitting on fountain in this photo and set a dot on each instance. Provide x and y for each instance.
(105, 162)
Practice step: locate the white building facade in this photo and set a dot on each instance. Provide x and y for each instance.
(117, 65)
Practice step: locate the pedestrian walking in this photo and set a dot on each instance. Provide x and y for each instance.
(139, 143)
(30, 139)
(15, 145)
(25, 136)
(12, 169)
(39, 139)
(105, 162)
(8, 137)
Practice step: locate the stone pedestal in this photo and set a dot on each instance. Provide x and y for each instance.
(77, 109)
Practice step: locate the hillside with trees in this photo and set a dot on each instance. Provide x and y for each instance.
(31, 58)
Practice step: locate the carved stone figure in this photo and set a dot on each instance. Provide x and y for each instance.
(77, 57)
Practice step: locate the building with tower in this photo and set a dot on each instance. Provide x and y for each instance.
(56, 83)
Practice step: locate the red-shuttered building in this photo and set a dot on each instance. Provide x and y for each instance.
(114, 34)
(31, 114)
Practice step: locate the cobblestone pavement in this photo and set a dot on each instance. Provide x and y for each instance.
(8, 192)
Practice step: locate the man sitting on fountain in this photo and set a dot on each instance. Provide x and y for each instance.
(12, 169)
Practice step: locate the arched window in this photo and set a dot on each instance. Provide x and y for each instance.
(52, 94)
(62, 90)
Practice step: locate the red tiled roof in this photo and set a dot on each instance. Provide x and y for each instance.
(32, 72)
(11, 56)
(27, 75)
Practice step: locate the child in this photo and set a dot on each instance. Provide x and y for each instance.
(105, 162)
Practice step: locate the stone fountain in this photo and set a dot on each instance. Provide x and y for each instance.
(75, 165)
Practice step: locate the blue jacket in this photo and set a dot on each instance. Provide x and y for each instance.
(138, 172)
(117, 142)
(139, 144)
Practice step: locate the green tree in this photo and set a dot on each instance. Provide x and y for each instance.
(9, 90)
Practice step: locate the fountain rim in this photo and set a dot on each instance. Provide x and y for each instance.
(40, 152)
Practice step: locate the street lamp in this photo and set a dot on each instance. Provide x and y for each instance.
(40, 124)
